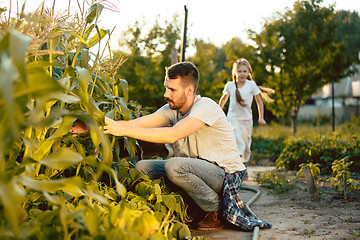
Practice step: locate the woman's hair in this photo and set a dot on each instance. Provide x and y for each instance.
(264, 90)
(186, 71)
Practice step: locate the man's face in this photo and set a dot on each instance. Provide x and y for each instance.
(174, 93)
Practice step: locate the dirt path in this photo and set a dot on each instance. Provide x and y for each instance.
(294, 216)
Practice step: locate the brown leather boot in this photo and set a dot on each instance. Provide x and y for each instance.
(211, 221)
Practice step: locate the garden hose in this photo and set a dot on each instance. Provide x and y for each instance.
(255, 234)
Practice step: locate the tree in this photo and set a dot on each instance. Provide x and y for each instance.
(147, 54)
(209, 59)
(349, 30)
(301, 55)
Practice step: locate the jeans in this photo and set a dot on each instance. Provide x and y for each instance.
(200, 179)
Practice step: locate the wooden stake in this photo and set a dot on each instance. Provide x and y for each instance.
(310, 184)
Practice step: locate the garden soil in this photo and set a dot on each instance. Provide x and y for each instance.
(295, 216)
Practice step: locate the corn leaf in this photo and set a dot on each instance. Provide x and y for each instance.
(62, 159)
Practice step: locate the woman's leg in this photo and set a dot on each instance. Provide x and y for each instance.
(200, 179)
(246, 128)
(238, 136)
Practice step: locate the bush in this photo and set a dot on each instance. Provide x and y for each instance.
(275, 181)
(322, 150)
(267, 148)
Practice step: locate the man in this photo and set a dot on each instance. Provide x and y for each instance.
(206, 139)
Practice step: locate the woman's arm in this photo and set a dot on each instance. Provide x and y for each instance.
(223, 100)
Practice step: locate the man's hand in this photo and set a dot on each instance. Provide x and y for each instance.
(113, 127)
(79, 128)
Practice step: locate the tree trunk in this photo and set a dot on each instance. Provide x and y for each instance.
(293, 121)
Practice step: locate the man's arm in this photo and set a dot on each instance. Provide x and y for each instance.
(148, 121)
(156, 134)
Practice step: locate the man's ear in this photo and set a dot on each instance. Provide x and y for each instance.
(190, 90)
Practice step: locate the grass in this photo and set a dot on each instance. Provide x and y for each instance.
(275, 130)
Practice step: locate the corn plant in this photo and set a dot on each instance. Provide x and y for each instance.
(50, 180)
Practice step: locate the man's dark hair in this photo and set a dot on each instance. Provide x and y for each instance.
(186, 71)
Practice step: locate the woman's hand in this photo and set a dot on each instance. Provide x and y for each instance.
(262, 121)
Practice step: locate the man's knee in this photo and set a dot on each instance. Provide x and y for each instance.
(141, 166)
(173, 166)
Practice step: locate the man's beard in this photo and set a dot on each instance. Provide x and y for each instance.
(178, 105)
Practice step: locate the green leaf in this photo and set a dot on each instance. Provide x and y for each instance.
(125, 112)
(120, 188)
(85, 57)
(169, 201)
(54, 199)
(10, 201)
(184, 231)
(50, 186)
(39, 84)
(7, 77)
(94, 133)
(64, 128)
(64, 97)
(95, 11)
(97, 37)
(88, 31)
(18, 44)
(62, 159)
(84, 79)
(125, 89)
(91, 220)
(44, 149)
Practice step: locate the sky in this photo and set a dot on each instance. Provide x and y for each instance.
(214, 21)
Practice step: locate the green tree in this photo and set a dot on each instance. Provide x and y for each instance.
(209, 59)
(301, 55)
(349, 30)
(147, 54)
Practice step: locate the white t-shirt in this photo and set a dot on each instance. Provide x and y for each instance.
(247, 92)
(215, 141)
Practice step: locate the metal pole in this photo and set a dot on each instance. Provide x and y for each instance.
(183, 46)
(333, 105)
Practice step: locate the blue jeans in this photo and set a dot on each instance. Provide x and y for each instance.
(200, 179)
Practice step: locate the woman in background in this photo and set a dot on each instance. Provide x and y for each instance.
(241, 92)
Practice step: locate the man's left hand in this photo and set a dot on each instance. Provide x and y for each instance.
(113, 127)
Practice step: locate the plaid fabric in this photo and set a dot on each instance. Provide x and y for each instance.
(234, 210)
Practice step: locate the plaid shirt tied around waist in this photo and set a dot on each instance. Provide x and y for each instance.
(234, 210)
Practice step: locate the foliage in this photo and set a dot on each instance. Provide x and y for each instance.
(267, 148)
(314, 169)
(349, 28)
(147, 54)
(340, 168)
(209, 60)
(51, 182)
(275, 181)
(300, 54)
(275, 130)
(322, 150)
